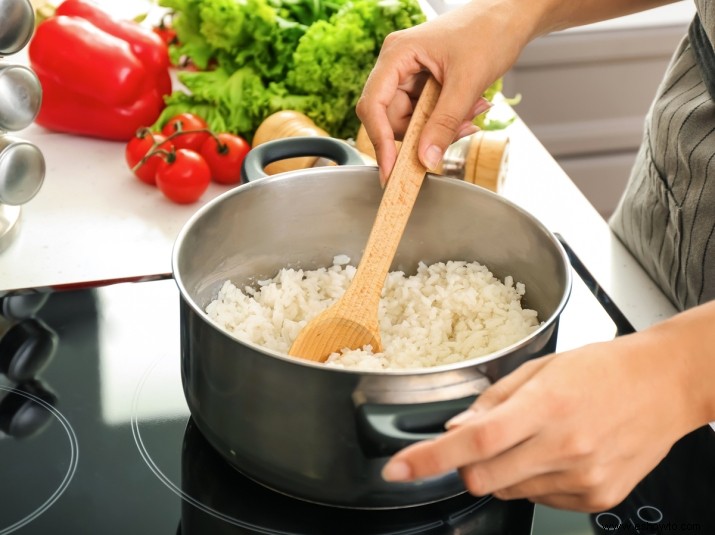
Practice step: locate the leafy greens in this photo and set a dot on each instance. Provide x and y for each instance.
(257, 57)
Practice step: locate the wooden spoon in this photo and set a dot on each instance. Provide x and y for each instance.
(352, 321)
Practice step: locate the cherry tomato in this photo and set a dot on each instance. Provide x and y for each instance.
(138, 147)
(186, 122)
(183, 177)
(225, 153)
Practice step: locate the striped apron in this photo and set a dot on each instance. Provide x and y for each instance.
(666, 216)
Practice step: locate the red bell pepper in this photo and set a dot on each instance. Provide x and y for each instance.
(64, 110)
(146, 44)
(95, 82)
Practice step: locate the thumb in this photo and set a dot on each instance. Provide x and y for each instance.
(451, 119)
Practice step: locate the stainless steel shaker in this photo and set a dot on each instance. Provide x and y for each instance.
(17, 21)
(20, 97)
(22, 165)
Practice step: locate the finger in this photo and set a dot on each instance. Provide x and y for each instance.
(575, 488)
(486, 435)
(372, 109)
(584, 503)
(467, 129)
(568, 502)
(550, 489)
(404, 101)
(500, 391)
(524, 471)
(456, 104)
(538, 487)
(588, 488)
(481, 106)
(505, 387)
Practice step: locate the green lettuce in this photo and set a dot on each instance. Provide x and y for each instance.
(256, 57)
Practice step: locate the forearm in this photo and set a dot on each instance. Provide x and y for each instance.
(525, 20)
(686, 346)
(553, 15)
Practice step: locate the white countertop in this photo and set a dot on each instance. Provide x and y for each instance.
(93, 222)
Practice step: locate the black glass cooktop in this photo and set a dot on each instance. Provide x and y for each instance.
(96, 438)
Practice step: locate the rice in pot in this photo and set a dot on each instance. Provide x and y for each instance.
(447, 312)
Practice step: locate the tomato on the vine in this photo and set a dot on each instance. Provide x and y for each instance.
(186, 122)
(183, 176)
(224, 153)
(138, 147)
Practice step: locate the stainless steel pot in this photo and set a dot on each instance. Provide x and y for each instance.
(323, 434)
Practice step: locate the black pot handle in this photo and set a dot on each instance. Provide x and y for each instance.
(386, 429)
(293, 147)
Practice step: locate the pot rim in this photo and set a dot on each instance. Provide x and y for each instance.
(295, 175)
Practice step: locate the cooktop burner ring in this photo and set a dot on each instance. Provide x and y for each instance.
(146, 456)
(246, 507)
(71, 469)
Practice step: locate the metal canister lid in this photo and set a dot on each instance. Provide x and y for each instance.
(22, 170)
(20, 97)
(16, 25)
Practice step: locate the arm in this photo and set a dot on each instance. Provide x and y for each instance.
(559, 15)
(578, 430)
(466, 49)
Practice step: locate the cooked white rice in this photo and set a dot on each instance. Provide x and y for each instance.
(445, 313)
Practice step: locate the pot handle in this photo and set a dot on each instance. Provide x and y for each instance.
(386, 429)
(292, 147)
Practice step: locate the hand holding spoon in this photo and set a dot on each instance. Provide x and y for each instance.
(352, 321)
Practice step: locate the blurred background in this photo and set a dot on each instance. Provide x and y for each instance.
(586, 91)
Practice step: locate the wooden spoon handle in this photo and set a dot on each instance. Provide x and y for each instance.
(396, 205)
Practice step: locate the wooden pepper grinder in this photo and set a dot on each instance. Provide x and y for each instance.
(290, 123)
(480, 159)
(287, 123)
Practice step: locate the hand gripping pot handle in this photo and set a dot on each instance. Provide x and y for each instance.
(294, 147)
(385, 429)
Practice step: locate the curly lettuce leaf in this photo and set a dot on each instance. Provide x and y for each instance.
(187, 24)
(335, 57)
(501, 114)
(312, 56)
